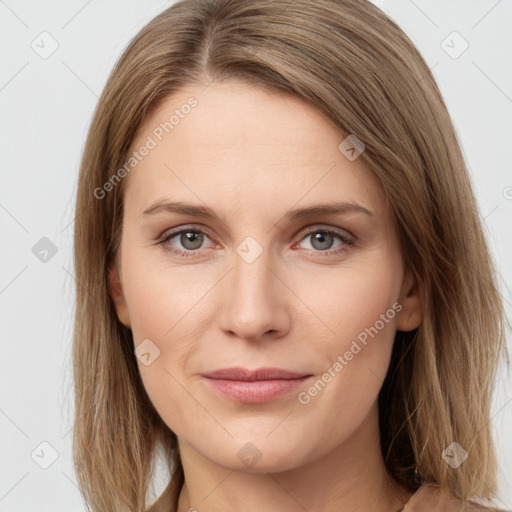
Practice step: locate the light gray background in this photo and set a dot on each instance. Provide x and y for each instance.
(46, 106)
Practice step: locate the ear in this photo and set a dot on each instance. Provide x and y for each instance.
(116, 293)
(409, 317)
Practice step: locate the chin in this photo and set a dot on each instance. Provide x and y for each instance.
(257, 454)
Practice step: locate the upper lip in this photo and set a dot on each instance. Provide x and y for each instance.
(243, 374)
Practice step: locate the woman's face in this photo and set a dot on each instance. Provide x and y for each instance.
(265, 278)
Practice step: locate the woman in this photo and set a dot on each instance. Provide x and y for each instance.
(284, 284)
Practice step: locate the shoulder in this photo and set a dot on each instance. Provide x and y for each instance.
(431, 498)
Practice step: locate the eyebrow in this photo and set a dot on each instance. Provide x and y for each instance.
(332, 208)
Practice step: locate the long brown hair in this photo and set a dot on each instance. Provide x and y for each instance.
(353, 63)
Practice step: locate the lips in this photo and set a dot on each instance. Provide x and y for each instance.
(243, 374)
(254, 386)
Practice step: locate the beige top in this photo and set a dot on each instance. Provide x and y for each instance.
(429, 498)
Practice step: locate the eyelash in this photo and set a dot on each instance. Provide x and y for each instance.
(349, 241)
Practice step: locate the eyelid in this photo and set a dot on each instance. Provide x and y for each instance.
(179, 229)
(324, 227)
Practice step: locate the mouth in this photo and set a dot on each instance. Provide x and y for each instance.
(254, 386)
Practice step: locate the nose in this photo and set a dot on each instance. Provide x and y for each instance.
(253, 300)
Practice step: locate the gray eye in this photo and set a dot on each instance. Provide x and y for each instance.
(321, 240)
(191, 240)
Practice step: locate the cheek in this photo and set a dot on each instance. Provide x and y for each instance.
(167, 306)
(160, 297)
(161, 306)
(350, 300)
(359, 306)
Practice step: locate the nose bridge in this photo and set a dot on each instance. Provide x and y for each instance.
(251, 306)
(252, 272)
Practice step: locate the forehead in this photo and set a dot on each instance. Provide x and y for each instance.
(234, 140)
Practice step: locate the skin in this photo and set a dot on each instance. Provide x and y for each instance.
(252, 155)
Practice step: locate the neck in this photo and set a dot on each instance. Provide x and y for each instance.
(352, 477)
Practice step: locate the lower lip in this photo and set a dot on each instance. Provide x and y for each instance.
(255, 392)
